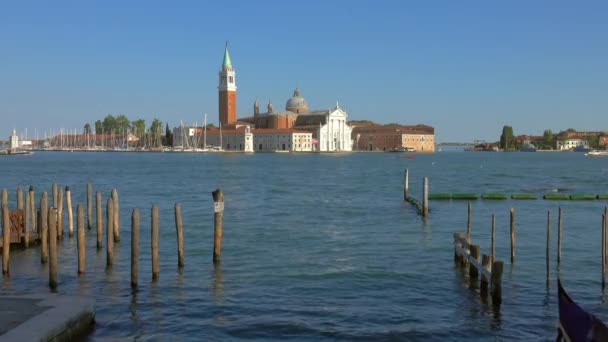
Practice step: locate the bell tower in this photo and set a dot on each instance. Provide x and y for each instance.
(227, 91)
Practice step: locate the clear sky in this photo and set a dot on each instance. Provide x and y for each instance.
(465, 67)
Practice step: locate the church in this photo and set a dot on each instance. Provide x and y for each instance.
(328, 129)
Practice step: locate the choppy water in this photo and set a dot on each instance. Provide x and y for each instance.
(322, 247)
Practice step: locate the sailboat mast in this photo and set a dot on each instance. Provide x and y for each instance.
(205, 133)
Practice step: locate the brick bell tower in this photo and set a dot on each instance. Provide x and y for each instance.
(227, 91)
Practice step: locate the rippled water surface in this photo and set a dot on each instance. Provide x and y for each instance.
(322, 247)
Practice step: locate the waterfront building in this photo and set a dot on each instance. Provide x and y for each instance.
(373, 137)
(570, 144)
(14, 140)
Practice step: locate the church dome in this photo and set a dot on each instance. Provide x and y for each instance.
(296, 103)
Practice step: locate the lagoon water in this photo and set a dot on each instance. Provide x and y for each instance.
(322, 247)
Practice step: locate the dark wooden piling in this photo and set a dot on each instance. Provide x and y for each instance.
(134, 247)
(548, 241)
(218, 213)
(109, 233)
(473, 272)
(406, 185)
(469, 221)
(54, 193)
(19, 198)
(425, 197)
(52, 218)
(68, 202)
(496, 282)
(6, 237)
(180, 235)
(44, 228)
(81, 246)
(154, 240)
(116, 224)
(60, 214)
(493, 237)
(26, 221)
(99, 220)
(512, 226)
(89, 206)
(486, 261)
(33, 210)
(458, 259)
(559, 235)
(603, 250)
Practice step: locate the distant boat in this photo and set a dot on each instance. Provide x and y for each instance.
(597, 154)
(576, 324)
(528, 148)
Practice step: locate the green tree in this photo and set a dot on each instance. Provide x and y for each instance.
(507, 140)
(168, 136)
(109, 123)
(594, 141)
(548, 136)
(122, 123)
(98, 127)
(156, 126)
(87, 129)
(139, 127)
(571, 130)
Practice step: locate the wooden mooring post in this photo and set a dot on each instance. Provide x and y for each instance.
(603, 251)
(89, 206)
(559, 235)
(512, 229)
(60, 214)
(44, 228)
(218, 213)
(68, 202)
(134, 247)
(26, 221)
(469, 221)
(406, 185)
(33, 210)
(109, 233)
(81, 246)
(493, 237)
(19, 198)
(4, 197)
(548, 242)
(490, 270)
(54, 193)
(6, 237)
(154, 242)
(180, 235)
(99, 220)
(116, 218)
(52, 218)
(425, 197)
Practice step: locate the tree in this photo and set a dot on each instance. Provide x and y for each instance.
(571, 130)
(98, 127)
(168, 136)
(506, 138)
(548, 136)
(109, 123)
(87, 129)
(594, 141)
(121, 123)
(139, 127)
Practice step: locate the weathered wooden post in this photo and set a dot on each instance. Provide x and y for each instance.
(44, 228)
(497, 282)
(116, 215)
(154, 239)
(493, 237)
(559, 236)
(469, 221)
(4, 197)
(548, 240)
(109, 233)
(60, 214)
(19, 198)
(26, 221)
(68, 202)
(33, 210)
(180, 235)
(6, 237)
(473, 273)
(134, 247)
(425, 197)
(54, 193)
(512, 221)
(603, 250)
(218, 213)
(99, 220)
(486, 262)
(457, 243)
(81, 247)
(52, 218)
(89, 206)
(406, 185)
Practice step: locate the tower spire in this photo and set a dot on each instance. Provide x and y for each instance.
(226, 63)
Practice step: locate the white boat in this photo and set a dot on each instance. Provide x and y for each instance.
(597, 154)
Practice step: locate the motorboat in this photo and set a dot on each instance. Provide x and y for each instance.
(596, 153)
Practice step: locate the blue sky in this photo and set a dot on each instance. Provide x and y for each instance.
(465, 67)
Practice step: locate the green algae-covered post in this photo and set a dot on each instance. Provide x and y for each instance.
(218, 213)
(89, 206)
(68, 202)
(109, 233)
(44, 228)
(134, 247)
(52, 248)
(425, 197)
(6, 237)
(154, 240)
(80, 232)
(512, 226)
(99, 220)
(405, 185)
(180, 235)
